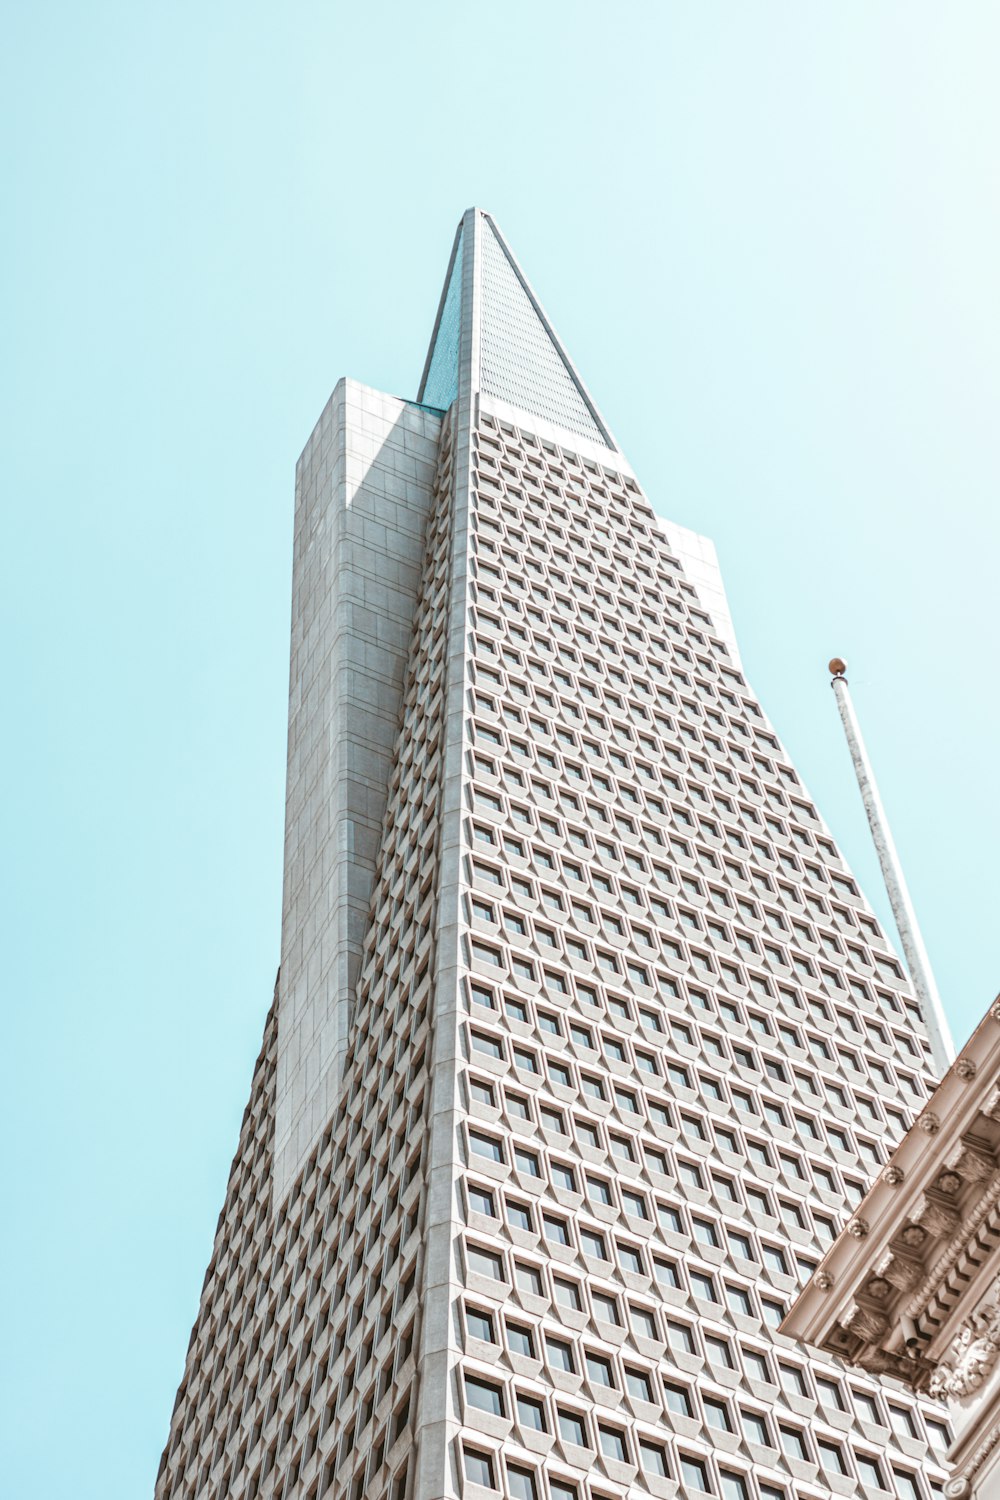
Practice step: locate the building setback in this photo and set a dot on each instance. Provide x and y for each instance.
(584, 1042)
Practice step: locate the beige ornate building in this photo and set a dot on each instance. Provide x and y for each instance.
(911, 1287)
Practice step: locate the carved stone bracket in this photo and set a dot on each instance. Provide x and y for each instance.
(900, 1366)
(936, 1217)
(900, 1271)
(990, 1106)
(864, 1322)
(972, 1159)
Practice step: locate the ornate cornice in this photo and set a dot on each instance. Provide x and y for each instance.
(955, 1248)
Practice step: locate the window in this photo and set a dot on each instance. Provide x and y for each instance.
(643, 1321)
(831, 1457)
(870, 1471)
(773, 1312)
(705, 1233)
(793, 1443)
(480, 1325)
(528, 1278)
(520, 1340)
(741, 1244)
(639, 1384)
(719, 1352)
(483, 1395)
(757, 1364)
(482, 1093)
(482, 1201)
(792, 1378)
(717, 1415)
(613, 1443)
(485, 1146)
(670, 1218)
(867, 1407)
(568, 1294)
(519, 1215)
(694, 1472)
(902, 1422)
(521, 1484)
(479, 1468)
(599, 1370)
(703, 1286)
(830, 1393)
(739, 1300)
(593, 1244)
(571, 1427)
(755, 1427)
(680, 1336)
(653, 1458)
(630, 1259)
(606, 1307)
(531, 1413)
(560, 1354)
(556, 1230)
(678, 1399)
(734, 1486)
(484, 1263)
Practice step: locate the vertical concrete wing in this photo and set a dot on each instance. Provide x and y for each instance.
(363, 490)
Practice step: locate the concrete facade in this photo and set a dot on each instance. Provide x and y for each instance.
(362, 493)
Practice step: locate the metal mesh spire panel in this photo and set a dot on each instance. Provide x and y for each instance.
(440, 386)
(520, 363)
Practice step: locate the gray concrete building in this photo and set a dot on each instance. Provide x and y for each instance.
(585, 1043)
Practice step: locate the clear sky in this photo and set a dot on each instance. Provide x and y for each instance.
(769, 236)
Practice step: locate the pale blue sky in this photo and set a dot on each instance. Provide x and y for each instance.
(768, 235)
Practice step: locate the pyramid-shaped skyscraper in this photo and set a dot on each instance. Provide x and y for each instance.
(584, 1041)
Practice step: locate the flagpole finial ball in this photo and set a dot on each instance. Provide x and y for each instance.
(838, 666)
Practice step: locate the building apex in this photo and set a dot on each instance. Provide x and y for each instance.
(493, 339)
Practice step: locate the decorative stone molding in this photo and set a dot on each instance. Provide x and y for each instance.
(823, 1280)
(928, 1122)
(858, 1228)
(961, 1484)
(965, 1068)
(971, 1356)
(893, 1175)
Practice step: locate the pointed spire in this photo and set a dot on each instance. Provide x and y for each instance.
(517, 360)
